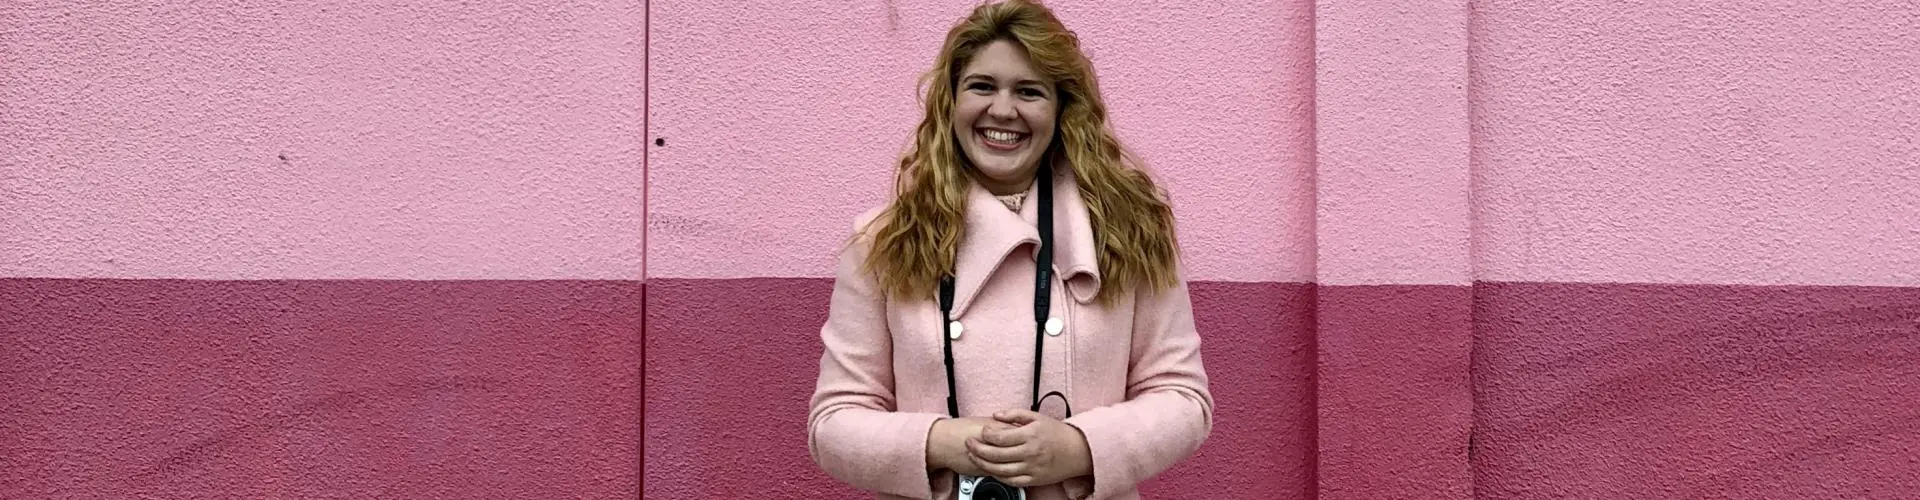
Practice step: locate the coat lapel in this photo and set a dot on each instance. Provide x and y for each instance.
(993, 233)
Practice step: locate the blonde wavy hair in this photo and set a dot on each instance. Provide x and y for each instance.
(918, 235)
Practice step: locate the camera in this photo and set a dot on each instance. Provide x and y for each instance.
(987, 488)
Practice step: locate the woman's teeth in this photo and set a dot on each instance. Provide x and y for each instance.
(1001, 136)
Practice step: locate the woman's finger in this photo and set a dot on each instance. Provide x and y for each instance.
(999, 470)
(998, 454)
(1019, 417)
(1006, 436)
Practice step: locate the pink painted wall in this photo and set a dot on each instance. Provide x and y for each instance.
(1393, 316)
(319, 389)
(1684, 142)
(240, 140)
(1695, 150)
(295, 250)
(1382, 206)
(1695, 391)
(783, 125)
(1391, 137)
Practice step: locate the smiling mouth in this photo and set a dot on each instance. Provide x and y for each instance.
(1001, 139)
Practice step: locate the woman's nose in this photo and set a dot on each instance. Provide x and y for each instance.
(1002, 106)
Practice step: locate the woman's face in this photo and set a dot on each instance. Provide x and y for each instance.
(1003, 116)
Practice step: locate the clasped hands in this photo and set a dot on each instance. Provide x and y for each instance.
(1018, 447)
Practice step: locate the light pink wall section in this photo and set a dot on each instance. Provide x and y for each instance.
(782, 122)
(1761, 143)
(1699, 142)
(1574, 142)
(231, 140)
(1390, 99)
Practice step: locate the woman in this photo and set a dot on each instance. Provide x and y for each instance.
(1019, 226)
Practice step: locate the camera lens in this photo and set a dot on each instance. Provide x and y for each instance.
(993, 490)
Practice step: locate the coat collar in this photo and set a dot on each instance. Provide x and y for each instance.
(993, 233)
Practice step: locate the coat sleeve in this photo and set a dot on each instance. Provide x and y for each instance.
(853, 430)
(1168, 411)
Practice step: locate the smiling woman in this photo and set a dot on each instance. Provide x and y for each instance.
(1003, 111)
(1024, 250)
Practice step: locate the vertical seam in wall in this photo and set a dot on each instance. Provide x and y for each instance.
(1313, 244)
(1473, 257)
(646, 154)
(1473, 156)
(1313, 143)
(646, 129)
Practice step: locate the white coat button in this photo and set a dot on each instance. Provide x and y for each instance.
(1055, 326)
(954, 329)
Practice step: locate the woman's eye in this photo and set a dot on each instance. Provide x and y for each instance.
(979, 86)
(1035, 93)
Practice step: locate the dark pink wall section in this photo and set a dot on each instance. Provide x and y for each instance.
(288, 389)
(731, 363)
(1395, 400)
(1700, 391)
(127, 388)
(1500, 390)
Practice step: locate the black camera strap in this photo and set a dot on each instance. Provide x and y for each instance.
(1042, 302)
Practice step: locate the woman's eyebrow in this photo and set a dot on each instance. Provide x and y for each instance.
(984, 76)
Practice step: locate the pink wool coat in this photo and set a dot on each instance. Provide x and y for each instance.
(1131, 370)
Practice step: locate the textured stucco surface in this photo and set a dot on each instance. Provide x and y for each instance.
(1394, 397)
(403, 388)
(1667, 391)
(319, 389)
(1391, 128)
(783, 125)
(230, 140)
(729, 374)
(1759, 143)
(1765, 142)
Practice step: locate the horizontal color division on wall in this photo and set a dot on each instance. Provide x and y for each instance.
(1487, 249)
